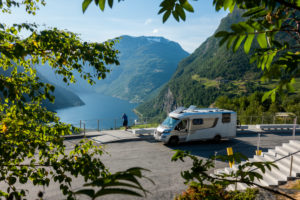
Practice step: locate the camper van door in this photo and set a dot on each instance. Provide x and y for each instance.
(182, 129)
(203, 128)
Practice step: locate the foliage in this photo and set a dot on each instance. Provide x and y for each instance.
(203, 184)
(265, 20)
(117, 183)
(250, 108)
(215, 192)
(32, 146)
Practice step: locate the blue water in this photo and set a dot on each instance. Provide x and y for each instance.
(108, 110)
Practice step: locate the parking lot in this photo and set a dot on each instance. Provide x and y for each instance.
(155, 156)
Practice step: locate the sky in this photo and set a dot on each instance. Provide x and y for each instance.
(129, 17)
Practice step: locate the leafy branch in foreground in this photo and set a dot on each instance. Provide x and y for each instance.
(117, 183)
(275, 26)
(32, 146)
(201, 181)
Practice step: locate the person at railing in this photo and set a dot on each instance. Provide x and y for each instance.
(125, 121)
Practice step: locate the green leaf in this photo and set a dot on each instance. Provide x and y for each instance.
(110, 3)
(231, 38)
(187, 6)
(262, 40)
(85, 5)
(227, 4)
(102, 4)
(166, 16)
(161, 10)
(116, 191)
(238, 42)
(221, 34)
(269, 60)
(180, 11)
(253, 11)
(88, 192)
(175, 15)
(248, 43)
(12, 180)
(267, 95)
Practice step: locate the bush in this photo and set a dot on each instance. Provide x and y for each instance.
(215, 192)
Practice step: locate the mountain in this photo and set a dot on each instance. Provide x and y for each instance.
(210, 71)
(146, 63)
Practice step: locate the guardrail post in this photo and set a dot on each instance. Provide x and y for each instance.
(115, 124)
(84, 129)
(291, 166)
(98, 127)
(216, 158)
(294, 128)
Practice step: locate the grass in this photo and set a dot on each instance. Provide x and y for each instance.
(205, 81)
(241, 84)
(295, 185)
(152, 125)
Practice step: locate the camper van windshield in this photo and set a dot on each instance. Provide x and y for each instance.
(169, 122)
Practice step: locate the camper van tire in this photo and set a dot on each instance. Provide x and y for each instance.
(173, 141)
(217, 138)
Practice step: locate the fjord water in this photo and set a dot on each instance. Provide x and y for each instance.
(108, 110)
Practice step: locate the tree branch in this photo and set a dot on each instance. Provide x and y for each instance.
(287, 4)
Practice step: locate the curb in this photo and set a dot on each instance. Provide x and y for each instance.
(72, 137)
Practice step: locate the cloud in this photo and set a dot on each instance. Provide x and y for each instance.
(155, 31)
(148, 21)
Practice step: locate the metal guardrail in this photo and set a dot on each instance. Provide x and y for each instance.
(267, 119)
(115, 123)
(107, 124)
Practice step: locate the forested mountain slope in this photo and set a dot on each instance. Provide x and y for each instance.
(209, 72)
(146, 63)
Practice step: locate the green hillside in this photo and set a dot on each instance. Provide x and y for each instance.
(146, 63)
(211, 71)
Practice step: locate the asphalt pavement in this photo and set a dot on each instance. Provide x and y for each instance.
(126, 150)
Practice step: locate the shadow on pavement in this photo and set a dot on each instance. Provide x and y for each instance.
(207, 149)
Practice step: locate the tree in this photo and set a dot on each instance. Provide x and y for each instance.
(31, 137)
(265, 21)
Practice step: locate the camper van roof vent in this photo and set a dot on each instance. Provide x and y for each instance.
(191, 108)
(179, 110)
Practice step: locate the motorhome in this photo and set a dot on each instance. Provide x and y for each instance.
(194, 123)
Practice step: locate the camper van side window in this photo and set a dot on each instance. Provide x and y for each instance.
(226, 118)
(197, 121)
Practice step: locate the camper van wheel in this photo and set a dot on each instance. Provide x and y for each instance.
(173, 141)
(217, 138)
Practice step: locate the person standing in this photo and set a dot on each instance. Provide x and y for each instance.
(125, 121)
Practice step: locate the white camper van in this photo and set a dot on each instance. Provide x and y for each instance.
(191, 124)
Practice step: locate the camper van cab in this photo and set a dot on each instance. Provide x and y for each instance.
(191, 124)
